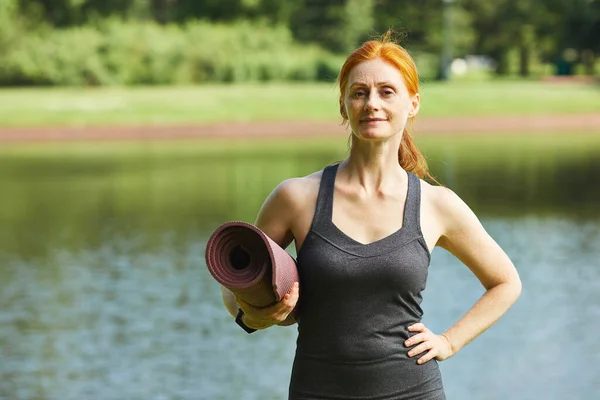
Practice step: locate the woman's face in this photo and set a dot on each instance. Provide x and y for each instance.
(377, 103)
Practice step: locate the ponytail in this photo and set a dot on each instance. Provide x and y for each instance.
(411, 159)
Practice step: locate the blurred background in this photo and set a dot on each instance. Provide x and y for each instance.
(131, 129)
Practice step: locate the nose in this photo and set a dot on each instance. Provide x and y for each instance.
(373, 101)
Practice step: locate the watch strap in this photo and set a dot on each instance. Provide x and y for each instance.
(240, 322)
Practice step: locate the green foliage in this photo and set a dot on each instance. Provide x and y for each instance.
(428, 65)
(250, 52)
(358, 23)
(538, 31)
(9, 23)
(142, 53)
(8, 11)
(337, 25)
(163, 42)
(67, 57)
(115, 52)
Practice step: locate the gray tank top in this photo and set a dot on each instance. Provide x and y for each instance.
(356, 303)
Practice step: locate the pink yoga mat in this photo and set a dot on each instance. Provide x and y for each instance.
(245, 260)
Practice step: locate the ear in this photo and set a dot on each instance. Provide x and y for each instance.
(343, 112)
(415, 104)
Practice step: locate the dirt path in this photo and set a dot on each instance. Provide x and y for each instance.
(297, 129)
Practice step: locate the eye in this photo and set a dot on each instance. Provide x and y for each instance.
(359, 93)
(387, 92)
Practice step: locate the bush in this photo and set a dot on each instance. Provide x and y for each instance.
(62, 58)
(250, 52)
(126, 53)
(428, 65)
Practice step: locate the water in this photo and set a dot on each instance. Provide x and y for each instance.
(104, 293)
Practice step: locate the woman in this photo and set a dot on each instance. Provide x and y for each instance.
(364, 230)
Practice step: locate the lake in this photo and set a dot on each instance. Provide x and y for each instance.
(104, 293)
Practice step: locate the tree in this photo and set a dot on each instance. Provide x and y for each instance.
(338, 25)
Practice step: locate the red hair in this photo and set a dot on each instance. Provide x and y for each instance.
(409, 156)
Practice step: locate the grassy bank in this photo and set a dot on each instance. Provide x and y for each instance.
(34, 107)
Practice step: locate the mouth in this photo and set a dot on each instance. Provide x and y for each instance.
(370, 120)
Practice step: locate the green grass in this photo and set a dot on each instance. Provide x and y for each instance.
(508, 98)
(273, 102)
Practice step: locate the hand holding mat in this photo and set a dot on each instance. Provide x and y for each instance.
(246, 261)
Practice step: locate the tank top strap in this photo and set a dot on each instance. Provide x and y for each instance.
(412, 209)
(324, 208)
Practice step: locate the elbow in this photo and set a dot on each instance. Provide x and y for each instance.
(516, 287)
(509, 289)
(513, 285)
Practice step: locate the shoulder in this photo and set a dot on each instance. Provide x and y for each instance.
(287, 205)
(296, 192)
(291, 197)
(441, 199)
(454, 217)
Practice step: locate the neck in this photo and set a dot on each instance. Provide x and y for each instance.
(373, 164)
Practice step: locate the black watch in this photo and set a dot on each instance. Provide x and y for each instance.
(238, 320)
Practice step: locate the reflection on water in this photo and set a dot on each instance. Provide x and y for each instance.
(104, 293)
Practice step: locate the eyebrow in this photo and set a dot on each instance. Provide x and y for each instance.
(382, 83)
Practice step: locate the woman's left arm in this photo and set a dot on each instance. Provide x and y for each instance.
(463, 235)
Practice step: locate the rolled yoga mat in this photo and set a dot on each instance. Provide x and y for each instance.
(245, 260)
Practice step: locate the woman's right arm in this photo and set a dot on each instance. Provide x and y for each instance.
(275, 219)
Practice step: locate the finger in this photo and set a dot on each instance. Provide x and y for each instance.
(291, 298)
(430, 354)
(295, 290)
(278, 311)
(416, 339)
(420, 349)
(417, 327)
(289, 302)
